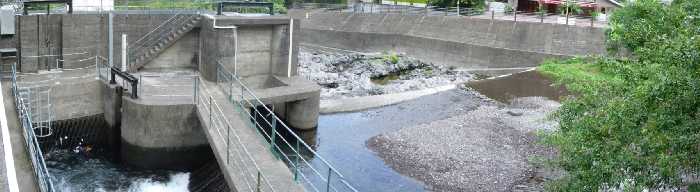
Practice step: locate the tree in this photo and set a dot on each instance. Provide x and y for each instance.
(642, 132)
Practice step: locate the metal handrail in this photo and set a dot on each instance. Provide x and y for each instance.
(201, 102)
(33, 148)
(277, 121)
(155, 36)
(158, 27)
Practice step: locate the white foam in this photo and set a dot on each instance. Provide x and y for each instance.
(178, 183)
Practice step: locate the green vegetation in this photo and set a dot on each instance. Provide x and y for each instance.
(278, 7)
(634, 123)
(391, 58)
(477, 4)
(413, 1)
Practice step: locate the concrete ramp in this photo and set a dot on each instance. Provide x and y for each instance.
(243, 155)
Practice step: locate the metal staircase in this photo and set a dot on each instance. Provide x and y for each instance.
(156, 41)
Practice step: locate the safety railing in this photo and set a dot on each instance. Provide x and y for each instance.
(583, 19)
(237, 154)
(317, 175)
(102, 68)
(33, 148)
(159, 35)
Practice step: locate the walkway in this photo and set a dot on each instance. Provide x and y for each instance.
(244, 155)
(22, 163)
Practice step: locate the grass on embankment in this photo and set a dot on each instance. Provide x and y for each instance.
(579, 75)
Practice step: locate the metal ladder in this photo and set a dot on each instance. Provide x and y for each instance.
(38, 100)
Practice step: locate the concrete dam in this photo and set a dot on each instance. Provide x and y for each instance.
(228, 100)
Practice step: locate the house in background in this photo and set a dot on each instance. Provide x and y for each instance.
(552, 6)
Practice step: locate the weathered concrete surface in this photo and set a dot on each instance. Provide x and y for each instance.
(182, 54)
(74, 93)
(263, 45)
(74, 38)
(161, 136)
(453, 41)
(23, 163)
(273, 169)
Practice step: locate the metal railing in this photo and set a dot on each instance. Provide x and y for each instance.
(516, 16)
(24, 111)
(236, 152)
(317, 175)
(159, 35)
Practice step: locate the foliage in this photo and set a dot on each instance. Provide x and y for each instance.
(508, 8)
(478, 4)
(594, 15)
(572, 7)
(634, 123)
(541, 10)
(391, 58)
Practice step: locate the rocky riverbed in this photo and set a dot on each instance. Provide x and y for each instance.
(345, 75)
(490, 148)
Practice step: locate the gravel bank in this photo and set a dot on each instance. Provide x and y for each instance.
(486, 149)
(345, 75)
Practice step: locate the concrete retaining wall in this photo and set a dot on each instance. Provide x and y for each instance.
(182, 54)
(263, 46)
(161, 136)
(68, 36)
(77, 99)
(453, 41)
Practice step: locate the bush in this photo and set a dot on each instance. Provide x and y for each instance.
(479, 4)
(636, 124)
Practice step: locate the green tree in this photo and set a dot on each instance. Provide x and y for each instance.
(462, 3)
(640, 130)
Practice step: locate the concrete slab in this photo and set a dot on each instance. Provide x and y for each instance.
(239, 149)
(23, 164)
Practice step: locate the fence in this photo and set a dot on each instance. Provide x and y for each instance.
(516, 16)
(22, 102)
(254, 180)
(319, 175)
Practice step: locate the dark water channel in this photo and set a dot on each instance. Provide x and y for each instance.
(341, 138)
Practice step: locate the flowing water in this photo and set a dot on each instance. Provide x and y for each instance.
(76, 172)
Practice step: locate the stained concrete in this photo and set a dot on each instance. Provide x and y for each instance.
(23, 163)
(161, 136)
(453, 41)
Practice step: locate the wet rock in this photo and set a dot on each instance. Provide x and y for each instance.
(514, 113)
(354, 73)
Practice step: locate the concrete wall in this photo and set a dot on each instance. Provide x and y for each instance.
(263, 46)
(39, 35)
(453, 41)
(161, 136)
(182, 54)
(67, 35)
(77, 99)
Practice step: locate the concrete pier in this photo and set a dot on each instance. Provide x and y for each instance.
(161, 136)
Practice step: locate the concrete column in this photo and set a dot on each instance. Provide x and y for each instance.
(162, 136)
(303, 114)
(112, 96)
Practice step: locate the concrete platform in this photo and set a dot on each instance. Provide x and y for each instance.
(22, 161)
(246, 148)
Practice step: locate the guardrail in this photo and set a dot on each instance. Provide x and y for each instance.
(320, 175)
(208, 107)
(32, 144)
(516, 16)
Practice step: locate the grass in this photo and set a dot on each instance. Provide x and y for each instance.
(578, 74)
